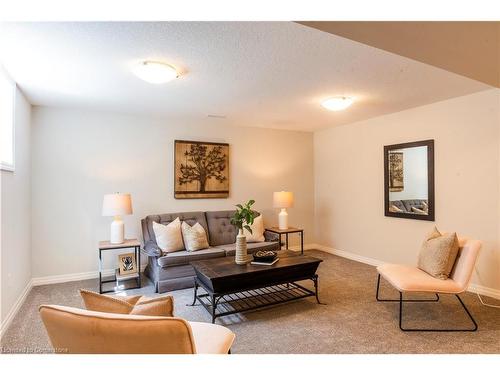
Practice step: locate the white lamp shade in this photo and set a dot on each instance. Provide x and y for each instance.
(283, 199)
(116, 204)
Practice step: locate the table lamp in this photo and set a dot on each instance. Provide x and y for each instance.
(116, 205)
(283, 200)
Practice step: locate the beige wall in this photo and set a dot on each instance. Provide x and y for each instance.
(349, 197)
(16, 214)
(80, 155)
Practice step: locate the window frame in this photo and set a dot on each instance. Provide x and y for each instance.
(6, 166)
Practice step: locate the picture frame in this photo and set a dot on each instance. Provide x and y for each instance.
(127, 264)
(201, 169)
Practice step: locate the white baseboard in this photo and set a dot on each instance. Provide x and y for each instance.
(46, 280)
(485, 291)
(13, 311)
(473, 288)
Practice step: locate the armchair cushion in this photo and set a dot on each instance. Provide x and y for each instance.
(411, 279)
(211, 338)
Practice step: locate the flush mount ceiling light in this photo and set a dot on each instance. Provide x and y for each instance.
(155, 72)
(337, 103)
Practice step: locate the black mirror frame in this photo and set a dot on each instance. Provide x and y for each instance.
(430, 180)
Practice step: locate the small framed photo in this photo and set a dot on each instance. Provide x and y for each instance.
(127, 264)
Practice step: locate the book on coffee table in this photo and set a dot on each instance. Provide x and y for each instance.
(262, 263)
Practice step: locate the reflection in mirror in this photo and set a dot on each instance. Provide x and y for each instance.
(407, 185)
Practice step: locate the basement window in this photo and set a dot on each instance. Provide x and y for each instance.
(7, 103)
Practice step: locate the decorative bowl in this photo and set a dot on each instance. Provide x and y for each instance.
(265, 255)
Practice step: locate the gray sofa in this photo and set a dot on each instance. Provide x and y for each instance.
(406, 204)
(173, 271)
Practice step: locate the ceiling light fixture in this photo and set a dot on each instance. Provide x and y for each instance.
(155, 72)
(337, 103)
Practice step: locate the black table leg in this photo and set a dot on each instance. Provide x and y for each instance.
(286, 240)
(138, 257)
(315, 280)
(302, 242)
(195, 292)
(100, 272)
(213, 308)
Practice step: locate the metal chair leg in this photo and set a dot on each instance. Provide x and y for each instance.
(401, 300)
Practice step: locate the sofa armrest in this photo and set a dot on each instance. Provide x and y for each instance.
(270, 236)
(152, 249)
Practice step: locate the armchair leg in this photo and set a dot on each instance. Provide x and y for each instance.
(401, 300)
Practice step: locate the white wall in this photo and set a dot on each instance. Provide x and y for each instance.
(349, 180)
(16, 214)
(80, 155)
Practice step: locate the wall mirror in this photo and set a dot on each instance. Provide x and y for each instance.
(409, 180)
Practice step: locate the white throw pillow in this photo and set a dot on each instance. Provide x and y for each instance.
(169, 237)
(257, 234)
(195, 237)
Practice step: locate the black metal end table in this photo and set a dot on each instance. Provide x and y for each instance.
(286, 232)
(127, 244)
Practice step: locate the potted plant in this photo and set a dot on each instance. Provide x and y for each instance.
(243, 218)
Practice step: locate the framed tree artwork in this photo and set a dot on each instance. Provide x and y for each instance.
(396, 181)
(201, 169)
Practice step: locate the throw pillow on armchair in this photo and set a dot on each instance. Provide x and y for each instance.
(133, 305)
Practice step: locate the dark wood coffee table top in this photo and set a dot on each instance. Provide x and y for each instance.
(226, 267)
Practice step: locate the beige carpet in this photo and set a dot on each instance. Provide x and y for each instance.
(350, 322)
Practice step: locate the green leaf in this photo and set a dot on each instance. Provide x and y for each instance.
(250, 202)
(239, 206)
(247, 227)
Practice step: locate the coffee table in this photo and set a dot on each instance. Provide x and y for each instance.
(232, 288)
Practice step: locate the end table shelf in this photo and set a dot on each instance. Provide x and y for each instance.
(116, 278)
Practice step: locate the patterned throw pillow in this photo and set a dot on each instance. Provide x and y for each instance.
(169, 237)
(438, 254)
(195, 237)
(133, 305)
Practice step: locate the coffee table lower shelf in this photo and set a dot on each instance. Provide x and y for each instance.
(246, 300)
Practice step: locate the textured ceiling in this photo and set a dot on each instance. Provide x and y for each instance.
(265, 74)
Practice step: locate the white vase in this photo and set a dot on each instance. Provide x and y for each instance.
(241, 248)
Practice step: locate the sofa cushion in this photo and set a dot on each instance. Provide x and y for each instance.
(251, 247)
(220, 229)
(184, 257)
(189, 217)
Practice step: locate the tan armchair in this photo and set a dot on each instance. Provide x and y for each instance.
(73, 330)
(411, 279)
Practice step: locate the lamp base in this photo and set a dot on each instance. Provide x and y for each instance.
(117, 230)
(283, 219)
